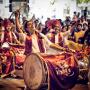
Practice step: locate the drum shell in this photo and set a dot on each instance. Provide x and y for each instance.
(43, 72)
(19, 55)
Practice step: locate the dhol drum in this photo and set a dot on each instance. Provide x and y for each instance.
(19, 55)
(10, 57)
(57, 72)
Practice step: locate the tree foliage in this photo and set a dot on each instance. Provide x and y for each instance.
(83, 1)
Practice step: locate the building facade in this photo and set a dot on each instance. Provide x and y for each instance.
(44, 8)
(85, 8)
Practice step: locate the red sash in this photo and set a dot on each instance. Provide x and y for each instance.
(52, 39)
(7, 37)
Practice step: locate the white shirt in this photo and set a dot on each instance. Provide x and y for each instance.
(35, 47)
(56, 38)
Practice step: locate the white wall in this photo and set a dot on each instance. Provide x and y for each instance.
(44, 8)
(4, 9)
(82, 7)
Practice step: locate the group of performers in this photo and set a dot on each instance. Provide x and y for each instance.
(69, 36)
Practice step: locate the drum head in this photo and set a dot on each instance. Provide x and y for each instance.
(33, 71)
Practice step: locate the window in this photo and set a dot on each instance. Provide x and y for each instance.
(1, 1)
(66, 11)
(88, 12)
(19, 0)
(10, 1)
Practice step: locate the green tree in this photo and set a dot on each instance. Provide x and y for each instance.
(83, 1)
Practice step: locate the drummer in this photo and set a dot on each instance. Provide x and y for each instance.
(8, 34)
(36, 42)
(59, 35)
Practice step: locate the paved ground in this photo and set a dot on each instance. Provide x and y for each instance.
(80, 87)
(18, 84)
(12, 84)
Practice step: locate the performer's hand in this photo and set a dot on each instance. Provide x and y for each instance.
(17, 13)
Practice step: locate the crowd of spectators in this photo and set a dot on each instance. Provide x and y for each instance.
(75, 30)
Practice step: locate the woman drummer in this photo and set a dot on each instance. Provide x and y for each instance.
(35, 42)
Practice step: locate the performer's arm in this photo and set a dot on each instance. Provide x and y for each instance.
(18, 25)
(52, 45)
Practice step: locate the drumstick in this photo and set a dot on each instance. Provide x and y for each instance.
(14, 12)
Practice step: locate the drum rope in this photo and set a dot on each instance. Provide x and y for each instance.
(47, 70)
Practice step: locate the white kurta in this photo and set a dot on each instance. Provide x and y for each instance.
(35, 48)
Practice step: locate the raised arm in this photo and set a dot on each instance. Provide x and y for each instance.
(18, 25)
